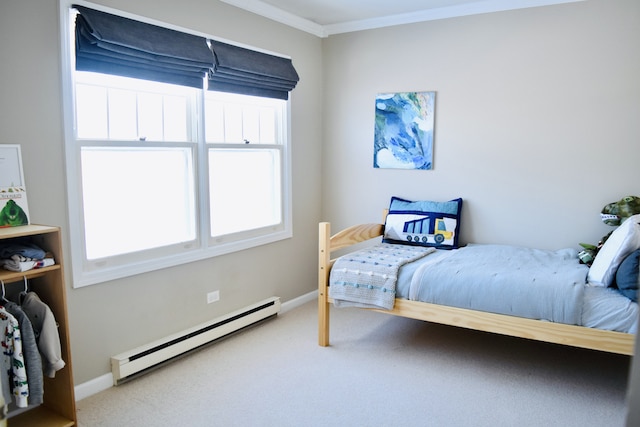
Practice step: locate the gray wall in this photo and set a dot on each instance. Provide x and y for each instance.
(536, 122)
(109, 318)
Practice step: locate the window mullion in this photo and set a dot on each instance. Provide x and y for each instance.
(138, 119)
(108, 115)
(163, 114)
(202, 173)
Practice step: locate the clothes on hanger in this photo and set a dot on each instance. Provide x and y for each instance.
(45, 329)
(14, 378)
(30, 346)
(32, 358)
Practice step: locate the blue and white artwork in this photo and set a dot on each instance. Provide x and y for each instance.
(404, 130)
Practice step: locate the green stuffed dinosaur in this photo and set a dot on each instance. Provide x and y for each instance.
(612, 214)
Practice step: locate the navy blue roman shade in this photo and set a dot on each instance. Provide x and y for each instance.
(112, 44)
(248, 72)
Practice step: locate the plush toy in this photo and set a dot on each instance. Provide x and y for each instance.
(612, 214)
(615, 213)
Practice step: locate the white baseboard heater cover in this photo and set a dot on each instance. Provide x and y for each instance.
(133, 363)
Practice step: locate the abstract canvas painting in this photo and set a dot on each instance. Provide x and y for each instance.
(404, 130)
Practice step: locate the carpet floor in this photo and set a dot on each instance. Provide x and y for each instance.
(379, 371)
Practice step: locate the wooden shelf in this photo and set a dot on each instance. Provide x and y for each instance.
(40, 417)
(15, 276)
(58, 408)
(26, 230)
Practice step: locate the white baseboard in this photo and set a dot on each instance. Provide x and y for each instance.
(105, 381)
(94, 386)
(297, 302)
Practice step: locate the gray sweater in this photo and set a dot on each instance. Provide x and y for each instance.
(31, 354)
(45, 329)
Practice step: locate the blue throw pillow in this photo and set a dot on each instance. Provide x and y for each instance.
(627, 276)
(423, 223)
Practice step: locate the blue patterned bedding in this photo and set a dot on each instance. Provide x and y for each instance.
(367, 278)
(516, 281)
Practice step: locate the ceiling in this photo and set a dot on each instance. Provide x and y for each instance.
(326, 17)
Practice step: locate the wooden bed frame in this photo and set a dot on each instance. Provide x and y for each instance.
(577, 336)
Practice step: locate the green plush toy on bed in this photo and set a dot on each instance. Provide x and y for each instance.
(612, 214)
(615, 213)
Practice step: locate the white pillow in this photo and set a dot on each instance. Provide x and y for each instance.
(624, 240)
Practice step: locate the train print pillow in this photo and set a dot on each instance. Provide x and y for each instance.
(423, 223)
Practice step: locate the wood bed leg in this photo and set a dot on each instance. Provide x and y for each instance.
(323, 281)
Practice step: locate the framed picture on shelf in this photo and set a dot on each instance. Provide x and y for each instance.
(14, 210)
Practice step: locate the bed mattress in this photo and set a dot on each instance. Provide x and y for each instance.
(517, 281)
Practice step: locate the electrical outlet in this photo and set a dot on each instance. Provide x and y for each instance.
(213, 297)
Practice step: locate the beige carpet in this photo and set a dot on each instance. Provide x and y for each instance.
(379, 371)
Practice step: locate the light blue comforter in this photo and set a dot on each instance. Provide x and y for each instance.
(524, 282)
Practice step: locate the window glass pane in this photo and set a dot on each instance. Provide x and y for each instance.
(150, 117)
(251, 124)
(175, 119)
(214, 120)
(91, 111)
(122, 115)
(244, 187)
(232, 118)
(136, 199)
(119, 108)
(233, 123)
(268, 128)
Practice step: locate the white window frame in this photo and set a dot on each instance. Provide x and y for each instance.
(88, 273)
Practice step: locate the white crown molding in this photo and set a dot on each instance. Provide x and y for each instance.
(473, 8)
(263, 9)
(476, 8)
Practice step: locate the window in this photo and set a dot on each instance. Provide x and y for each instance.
(242, 134)
(161, 174)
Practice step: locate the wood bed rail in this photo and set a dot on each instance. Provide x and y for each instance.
(326, 245)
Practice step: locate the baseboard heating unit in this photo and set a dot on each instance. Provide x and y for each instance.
(130, 364)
